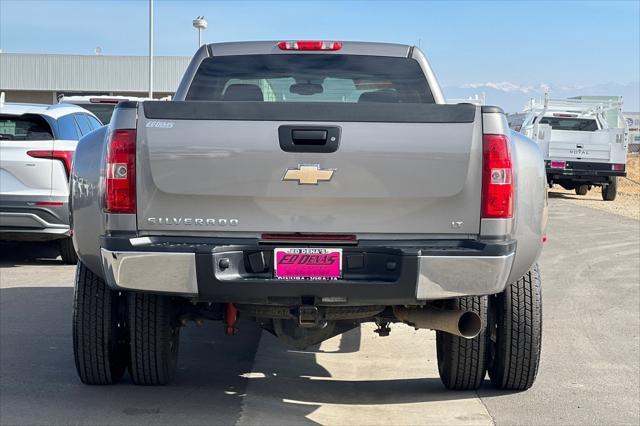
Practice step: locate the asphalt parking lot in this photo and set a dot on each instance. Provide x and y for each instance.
(589, 372)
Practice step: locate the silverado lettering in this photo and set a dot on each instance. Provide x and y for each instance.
(191, 221)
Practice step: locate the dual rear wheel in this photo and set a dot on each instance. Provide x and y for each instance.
(508, 348)
(582, 189)
(609, 189)
(114, 331)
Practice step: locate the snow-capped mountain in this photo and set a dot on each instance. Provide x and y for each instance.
(513, 96)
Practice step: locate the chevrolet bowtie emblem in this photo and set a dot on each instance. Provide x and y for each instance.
(308, 174)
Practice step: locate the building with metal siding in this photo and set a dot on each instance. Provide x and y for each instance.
(42, 78)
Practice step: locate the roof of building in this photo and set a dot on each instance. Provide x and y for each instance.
(89, 73)
(53, 111)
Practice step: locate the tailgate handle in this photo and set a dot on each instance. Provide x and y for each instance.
(308, 137)
(297, 138)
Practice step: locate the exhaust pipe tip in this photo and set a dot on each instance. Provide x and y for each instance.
(469, 325)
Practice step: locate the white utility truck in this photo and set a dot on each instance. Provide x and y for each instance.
(584, 142)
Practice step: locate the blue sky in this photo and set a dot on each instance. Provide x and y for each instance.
(503, 48)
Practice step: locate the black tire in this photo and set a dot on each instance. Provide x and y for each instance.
(610, 190)
(516, 333)
(100, 345)
(67, 251)
(462, 362)
(582, 189)
(154, 339)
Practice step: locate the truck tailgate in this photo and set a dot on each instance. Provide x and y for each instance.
(408, 178)
(568, 144)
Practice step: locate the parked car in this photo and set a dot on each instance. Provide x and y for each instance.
(37, 143)
(311, 186)
(584, 142)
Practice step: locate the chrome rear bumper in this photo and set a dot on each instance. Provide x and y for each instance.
(443, 277)
(437, 277)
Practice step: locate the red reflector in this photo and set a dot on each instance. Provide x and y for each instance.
(65, 156)
(309, 237)
(544, 238)
(558, 164)
(48, 203)
(497, 178)
(310, 45)
(120, 191)
(617, 167)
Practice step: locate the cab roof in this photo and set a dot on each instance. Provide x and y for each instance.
(272, 47)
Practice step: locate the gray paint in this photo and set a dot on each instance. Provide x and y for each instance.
(531, 206)
(434, 85)
(271, 47)
(120, 222)
(391, 186)
(400, 175)
(87, 217)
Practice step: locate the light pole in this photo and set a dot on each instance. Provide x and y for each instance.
(200, 24)
(151, 48)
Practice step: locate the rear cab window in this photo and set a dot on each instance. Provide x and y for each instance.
(27, 127)
(103, 111)
(288, 78)
(572, 124)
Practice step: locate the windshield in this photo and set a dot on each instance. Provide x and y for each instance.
(574, 124)
(24, 128)
(310, 78)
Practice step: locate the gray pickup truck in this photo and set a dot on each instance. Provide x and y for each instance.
(310, 186)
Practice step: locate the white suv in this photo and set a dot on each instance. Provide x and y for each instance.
(37, 143)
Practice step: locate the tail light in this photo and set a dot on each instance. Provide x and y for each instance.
(617, 167)
(310, 45)
(65, 156)
(120, 188)
(558, 164)
(497, 178)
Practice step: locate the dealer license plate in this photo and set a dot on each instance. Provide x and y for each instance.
(308, 263)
